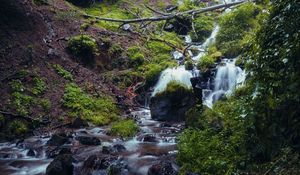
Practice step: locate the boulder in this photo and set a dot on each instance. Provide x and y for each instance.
(118, 148)
(97, 162)
(89, 140)
(79, 123)
(163, 168)
(58, 151)
(58, 139)
(30, 153)
(150, 138)
(172, 104)
(61, 165)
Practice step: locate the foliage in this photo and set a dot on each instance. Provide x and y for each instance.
(203, 25)
(205, 63)
(98, 110)
(62, 72)
(18, 128)
(234, 26)
(124, 128)
(274, 63)
(21, 102)
(83, 46)
(216, 143)
(39, 86)
(189, 65)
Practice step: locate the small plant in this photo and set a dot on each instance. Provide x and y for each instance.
(39, 86)
(189, 65)
(124, 128)
(205, 63)
(45, 104)
(62, 72)
(83, 46)
(17, 86)
(17, 128)
(21, 103)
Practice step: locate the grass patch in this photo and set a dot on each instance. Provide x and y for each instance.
(124, 128)
(98, 110)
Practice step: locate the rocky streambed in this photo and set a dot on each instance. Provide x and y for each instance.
(91, 150)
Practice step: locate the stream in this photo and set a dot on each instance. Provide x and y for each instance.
(155, 142)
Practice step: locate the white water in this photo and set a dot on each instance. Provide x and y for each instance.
(203, 47)
(228, 77)
(178, 74)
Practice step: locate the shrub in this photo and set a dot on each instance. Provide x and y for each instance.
(99, 111)
(203, 27)
(83, 46)
(62, 72)
(205, 63)
(124, 128)
(21, 103)
(234, 26)
(17, 128)
(39, 86)
(189, 65)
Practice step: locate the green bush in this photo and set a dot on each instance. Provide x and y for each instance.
(203, 27)
(234, 26)
(124, 128)
(189, 65)
(39, 86)
(100, 110)
(205, 63)
(83, 46)
(17, 128)
(62, 72)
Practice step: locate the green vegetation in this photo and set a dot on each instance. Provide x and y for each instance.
(83, 46)
(137, 58)
(17, 128)
(176, 90)
(62, 72)
(124, 128)
(189, 65)
(203, 25)
(234, 26)
(98, 110)
(39, 86)
(205, 63)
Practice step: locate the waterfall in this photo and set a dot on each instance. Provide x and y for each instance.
(203, 47)
(178, 74)
(228, 77)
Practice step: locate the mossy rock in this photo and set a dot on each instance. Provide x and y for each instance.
(172, 104)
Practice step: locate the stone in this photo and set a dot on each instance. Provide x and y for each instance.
(30, 153)
(57, 139)
(79, 123)
(162, 168)
(150, 138)
(97, 162)
(88, 140)
(61, 165)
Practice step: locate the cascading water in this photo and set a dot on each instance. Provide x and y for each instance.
(228, 77)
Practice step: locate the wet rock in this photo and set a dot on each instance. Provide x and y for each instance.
(118, 168)
(31, 153)
(171, 106)
(118, 148)
(196, 84)
(162, 168)
(181, 25)
(79, 123)
(58, 139)
(150, 138)
(97, 162)
(61, 165)
(58, 151)
(165, 125)
(88, 140)
(171, 8)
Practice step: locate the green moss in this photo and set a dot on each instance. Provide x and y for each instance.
(189, 65)
(62, 72)
(115, 49)
(157, 47)
(203, 25)
(124, 128)
(175, 91)
(17, 128)
(205, 63)
(83, 46)
(100, 110)
(233, 28)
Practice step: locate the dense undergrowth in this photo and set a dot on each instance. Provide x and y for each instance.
(258, 126)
